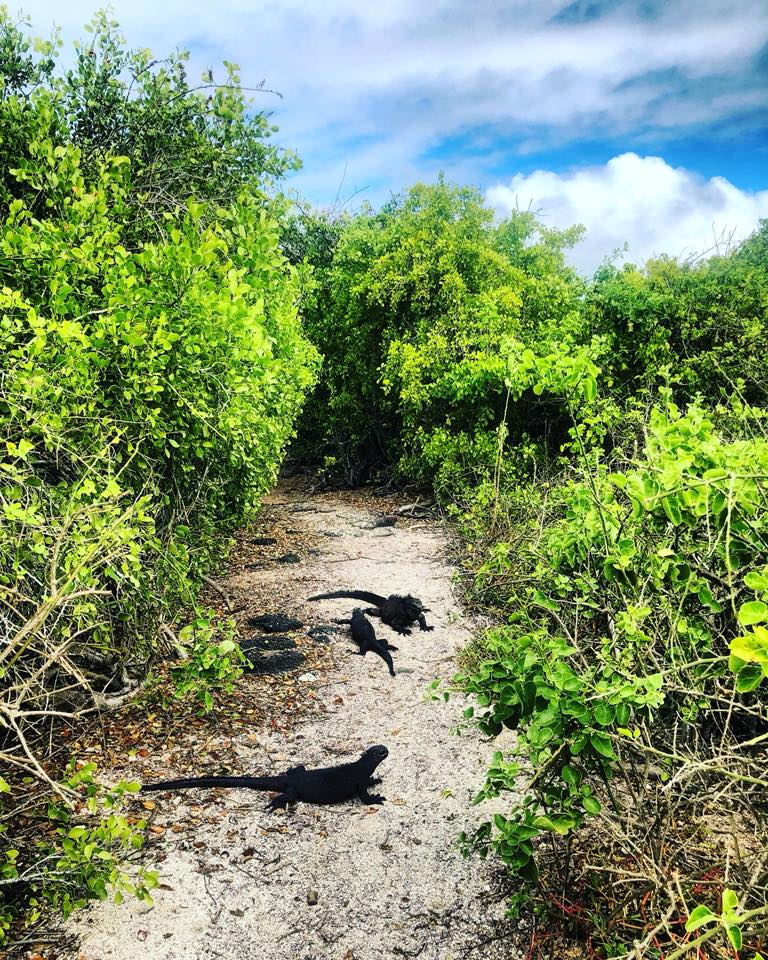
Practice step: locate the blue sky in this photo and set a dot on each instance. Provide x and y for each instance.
(646, 120)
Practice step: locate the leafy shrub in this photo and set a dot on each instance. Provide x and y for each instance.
(148, 390)
(627, 672)
(413, 316)
(210, 663)
(704, 321)
(78, 856)
(620, 531)
(152, 366)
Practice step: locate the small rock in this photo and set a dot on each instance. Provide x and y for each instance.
(263, 541)
(273, 641)
(275, 623)
(280, 662)
(382, 532)
(385, 522)
(322, 634)
(312, 897)
(307, 677)
(332, 533)
(289, 558)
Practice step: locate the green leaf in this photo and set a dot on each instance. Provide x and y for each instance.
(749, 678)
(751, 647)
(602, 745)
(734, 935)
(755, 611)
(699, 917)
(671, 507)
(591, 804)
(589, 387)
(561, 824)
(756, 581)
(570, 776)
(622, 714)
(730, 900)
(544, 823)
(604, 714)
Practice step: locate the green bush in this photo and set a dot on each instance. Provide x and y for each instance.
(628, 669)
(704, 322)
(416, 309)
(80, 856)
(212, 659)
(152, 367)
(601, 445)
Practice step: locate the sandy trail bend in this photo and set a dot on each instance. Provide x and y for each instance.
(348, 882)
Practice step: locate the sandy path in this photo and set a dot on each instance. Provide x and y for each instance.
(348, 882)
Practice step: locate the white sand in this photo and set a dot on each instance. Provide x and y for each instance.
(389, 881)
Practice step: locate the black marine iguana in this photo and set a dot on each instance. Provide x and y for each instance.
(326, 785)
(397, 611)
(364, 636)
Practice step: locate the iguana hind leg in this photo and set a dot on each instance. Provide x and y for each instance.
(281, 801)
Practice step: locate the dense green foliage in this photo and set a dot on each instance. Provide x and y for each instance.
(704, 323)
(152, 364)
(416, 312)
(602, 445)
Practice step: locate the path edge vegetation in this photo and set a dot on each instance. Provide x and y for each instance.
(599, 446)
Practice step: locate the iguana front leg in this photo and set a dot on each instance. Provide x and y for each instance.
(371, 798)
(423, 623)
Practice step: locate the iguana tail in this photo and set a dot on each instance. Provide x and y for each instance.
(252, 783)
(386, 656)
(353, 595)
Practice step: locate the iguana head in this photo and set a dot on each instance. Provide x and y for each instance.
(377, 753)
(413, 605)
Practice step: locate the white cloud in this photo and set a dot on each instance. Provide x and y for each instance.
(362, 82)
(654, 207)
